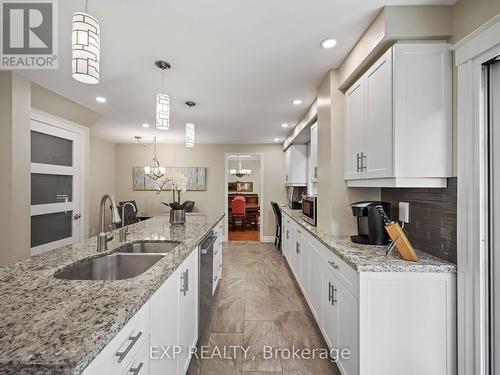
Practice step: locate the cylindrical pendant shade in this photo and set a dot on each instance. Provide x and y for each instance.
(162, 111)
(189, 134)
(86, 48)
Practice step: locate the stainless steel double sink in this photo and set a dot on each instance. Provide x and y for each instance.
(126, 262)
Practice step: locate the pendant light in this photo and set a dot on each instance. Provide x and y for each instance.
(190, 128)
(86, 46)
(162, 100)
(156, 171)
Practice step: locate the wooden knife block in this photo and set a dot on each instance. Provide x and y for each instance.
(404, 247)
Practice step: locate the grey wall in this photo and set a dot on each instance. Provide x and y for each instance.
(433, 218)
(15, 165)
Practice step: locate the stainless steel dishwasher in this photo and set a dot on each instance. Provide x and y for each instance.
(206, 268)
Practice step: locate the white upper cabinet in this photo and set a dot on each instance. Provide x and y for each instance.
(398, 119)
(296, 165)
(378, 125)
(355, 118)
(314, 153)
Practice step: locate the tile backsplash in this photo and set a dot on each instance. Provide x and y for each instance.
(433, 217)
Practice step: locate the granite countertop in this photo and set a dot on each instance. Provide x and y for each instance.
(370, 258)
(54, 326)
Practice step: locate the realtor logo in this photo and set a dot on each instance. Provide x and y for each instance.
(29, 34)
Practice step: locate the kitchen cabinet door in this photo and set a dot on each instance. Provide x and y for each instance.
(377, 159)
(296, 165)
(355, 99)
(314, 153)
(303, 256)
(188, 309)
(330, 312)
(164, 314)
(316, 284)
(285, 241)
(348, 329)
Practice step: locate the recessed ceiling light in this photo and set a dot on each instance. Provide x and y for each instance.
(285, 125)
(276, 139)
(297, 102)
(100, 99)
(145, 125)
(328, 43)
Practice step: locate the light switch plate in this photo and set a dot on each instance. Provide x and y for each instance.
(404, 212)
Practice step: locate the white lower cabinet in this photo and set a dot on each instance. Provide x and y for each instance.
(316, 282)
(168, 319)
(348, 317)
(188, 311)
(164, 312)
(376, 323)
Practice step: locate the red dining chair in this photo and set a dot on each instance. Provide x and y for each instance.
(238, 211)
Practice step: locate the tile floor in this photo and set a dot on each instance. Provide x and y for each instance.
(258, 303)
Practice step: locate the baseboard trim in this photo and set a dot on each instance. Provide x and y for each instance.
(268, 239)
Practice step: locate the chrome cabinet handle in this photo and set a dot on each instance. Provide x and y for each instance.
(357, 162)
(287, 234)
(330, 295)
(333, 264)
(297, 248)
(363, 158)
(315, 172)
(334, 295)
(121, 355)
(185, 282)
(136, 370)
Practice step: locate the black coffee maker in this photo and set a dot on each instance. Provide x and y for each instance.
(371, 226)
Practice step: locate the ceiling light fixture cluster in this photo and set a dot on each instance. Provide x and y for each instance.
(240, 172)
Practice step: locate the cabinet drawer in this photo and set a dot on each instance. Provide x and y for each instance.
(117, 355)
(140, 363)
(343, 272)
(346, 274)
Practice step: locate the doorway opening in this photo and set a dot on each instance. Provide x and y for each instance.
(244, 196)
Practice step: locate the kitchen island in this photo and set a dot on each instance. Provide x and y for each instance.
(55, 326)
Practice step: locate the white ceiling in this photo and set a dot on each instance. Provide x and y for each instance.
(242, 61)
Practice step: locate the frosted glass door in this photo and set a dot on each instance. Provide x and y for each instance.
(55, 187)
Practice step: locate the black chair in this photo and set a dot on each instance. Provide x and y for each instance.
(277, 216)
(189, 206)
(130, 214)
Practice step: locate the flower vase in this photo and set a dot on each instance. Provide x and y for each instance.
(177, 217)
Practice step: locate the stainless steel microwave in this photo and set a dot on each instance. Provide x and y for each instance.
(310, 209)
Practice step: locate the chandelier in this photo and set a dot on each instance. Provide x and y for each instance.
(85, 51)
(156, 171)
(162, 100)
(240, 172)
(190, 128)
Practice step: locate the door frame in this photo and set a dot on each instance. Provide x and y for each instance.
(472, 212)
(83, 132)
(261, 197)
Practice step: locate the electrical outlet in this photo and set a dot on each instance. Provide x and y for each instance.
(404, 212)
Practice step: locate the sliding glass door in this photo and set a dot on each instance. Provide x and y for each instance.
(492, 104)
